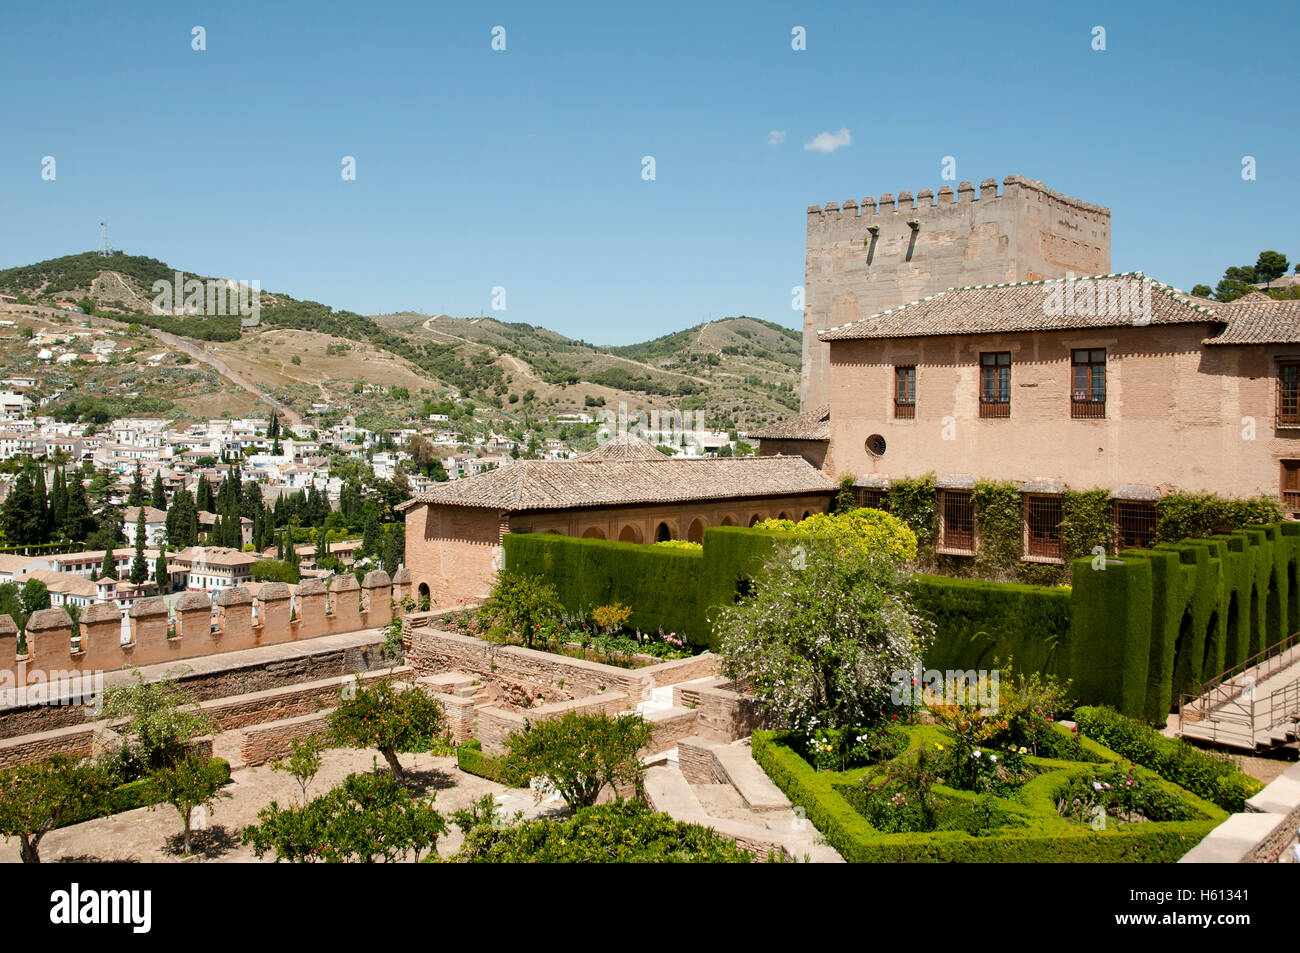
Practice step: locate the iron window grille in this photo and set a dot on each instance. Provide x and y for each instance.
(995, 384)
(957, 516)
(1043, 515)
(1088, 383)
(905, 391)
(1135, 524)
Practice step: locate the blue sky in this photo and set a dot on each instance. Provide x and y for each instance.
(523, 168)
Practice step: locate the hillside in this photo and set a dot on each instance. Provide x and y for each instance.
(736, 372)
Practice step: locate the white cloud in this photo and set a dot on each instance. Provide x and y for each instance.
(829, 141)
(776, 137)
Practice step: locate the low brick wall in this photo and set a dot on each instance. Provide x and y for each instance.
(695, 760)
(497, 724)
(726, 715)
(222, 677)
(76, 741)
(270, 741)
(288, 701)
(460, 714)
(670, 727)
(530, 676)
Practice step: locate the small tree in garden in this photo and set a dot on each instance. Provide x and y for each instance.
(160, 721)
(519, 607)
(36, 797)
(304, 760)
(367, 818)
(192, 782)
(392, 721)
(823, 635)
(582, 753)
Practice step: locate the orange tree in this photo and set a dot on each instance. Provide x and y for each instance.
(382, 717)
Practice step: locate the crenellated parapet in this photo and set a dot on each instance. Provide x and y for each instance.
(194, 627)
(866, 256)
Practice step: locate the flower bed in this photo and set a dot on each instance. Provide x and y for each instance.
(906, 809)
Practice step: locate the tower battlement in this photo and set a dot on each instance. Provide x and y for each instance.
(867, 255)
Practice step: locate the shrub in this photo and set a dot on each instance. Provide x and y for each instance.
(519, 607)
(160, 719)
(621, 832)
(304, 760)
(872, 532)
(579, 754)
(369, 817)
(611, 618)
(1211, 776)
(381, 717)
(823, 635)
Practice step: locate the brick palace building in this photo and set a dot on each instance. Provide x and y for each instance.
(1062, 383)
(624, 490)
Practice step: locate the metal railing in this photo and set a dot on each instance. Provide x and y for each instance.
(1228, 708)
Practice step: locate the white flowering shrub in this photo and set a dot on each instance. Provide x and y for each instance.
(819, 638)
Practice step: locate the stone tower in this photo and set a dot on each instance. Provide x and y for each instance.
(868, 257)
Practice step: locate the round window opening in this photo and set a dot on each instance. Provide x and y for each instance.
(876, 445)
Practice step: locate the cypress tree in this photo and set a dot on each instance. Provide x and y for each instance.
(203, 495)
(108, 569)
(139, 568)
(58, 505)
(158, 496)
(160, 574)
(19, 519)
(136, 496)
(40, 503)
(80, 523)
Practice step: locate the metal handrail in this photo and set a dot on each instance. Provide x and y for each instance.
(1272, 654)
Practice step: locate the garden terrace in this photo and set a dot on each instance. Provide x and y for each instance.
(1028, 824)
(1135, 631)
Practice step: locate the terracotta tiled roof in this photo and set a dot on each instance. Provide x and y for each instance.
(813, 425)
(624, 447)
(1030, 306)
(566, 484)
(1258, 319)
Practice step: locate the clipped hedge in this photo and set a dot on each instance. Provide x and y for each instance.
(983, 624)
(471, 759)
(659, 583)
(1040, 835)
(1212, 777)
(124, 797)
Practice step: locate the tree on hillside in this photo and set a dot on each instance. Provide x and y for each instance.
(157, 495)
(18, 517)
(1270, 266)
(34, 596)
(182, 521)
(58, 505)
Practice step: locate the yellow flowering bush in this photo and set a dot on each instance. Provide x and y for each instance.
(867, 530)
